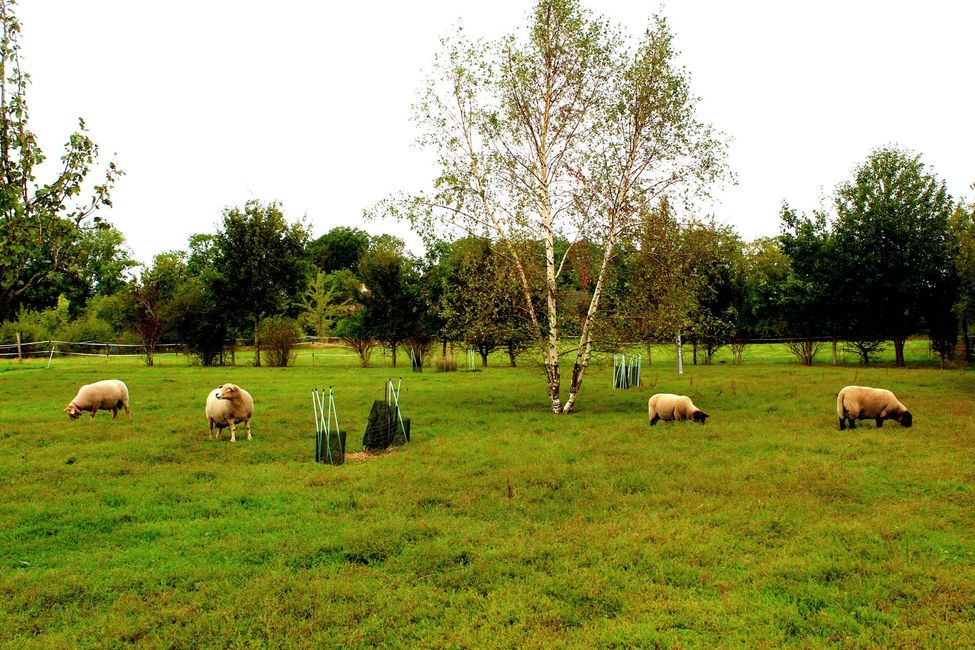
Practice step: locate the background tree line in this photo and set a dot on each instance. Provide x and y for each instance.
(896, 258)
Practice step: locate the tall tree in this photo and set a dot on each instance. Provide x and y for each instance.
(657, 296)
(808, 302)
(891, 234)
(42, 225)
(962, 226)
(100, 269)
(715, 263)
(391, 299)
(479, 302)
(260, 263)
(562, 132)
(339, 249)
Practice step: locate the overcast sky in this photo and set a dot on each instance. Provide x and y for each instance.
(208, 103)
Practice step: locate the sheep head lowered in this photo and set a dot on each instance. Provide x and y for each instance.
(863, 403)
(667, 407)
(106, 395)
(73, 411)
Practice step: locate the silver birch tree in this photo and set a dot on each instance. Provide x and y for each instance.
(562, 131)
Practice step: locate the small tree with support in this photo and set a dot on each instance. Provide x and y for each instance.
(329, 441)
(386, 424)
(626, 371)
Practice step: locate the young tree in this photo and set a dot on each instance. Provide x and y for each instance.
(891, 235)
(42, 225)
(149, 300)
(561, 133)
(657, 292)
(356, 336)
(321, 305)
(260, 264)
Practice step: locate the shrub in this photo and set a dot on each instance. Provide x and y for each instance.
(447, 363)
(280, 336)
(356, 337)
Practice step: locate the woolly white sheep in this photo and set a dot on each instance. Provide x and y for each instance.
(226, 406)
(861, 403)
(105, 395)
(667, 406)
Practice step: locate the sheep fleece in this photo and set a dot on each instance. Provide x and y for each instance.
(862, 403)
(104, 395)
(667, 406)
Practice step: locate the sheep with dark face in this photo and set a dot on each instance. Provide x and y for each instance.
(105, 395)
(667, 406)
(862, 403)
(226, 406)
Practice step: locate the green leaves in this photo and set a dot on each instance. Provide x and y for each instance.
(42, 225)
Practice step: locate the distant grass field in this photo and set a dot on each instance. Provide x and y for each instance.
(499, 525)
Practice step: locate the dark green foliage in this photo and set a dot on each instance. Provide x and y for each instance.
(201, 323)
(340, 249)
(259, 263)
(393, 305)
(479, 302)
(891, 246)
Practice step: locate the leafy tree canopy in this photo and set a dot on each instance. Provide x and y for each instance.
(42, 223)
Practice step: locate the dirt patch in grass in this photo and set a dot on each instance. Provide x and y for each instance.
(368, 455)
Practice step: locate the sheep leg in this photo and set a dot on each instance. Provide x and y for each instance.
(842, 424)
(233, 430)
(93, 412)
(115, 413)
(880, 422)
(127, 411)
(211, 429)
(654, 419)
(247, 422)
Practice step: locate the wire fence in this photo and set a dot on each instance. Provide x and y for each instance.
(312, 351)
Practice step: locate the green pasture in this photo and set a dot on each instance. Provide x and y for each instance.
(499, 525)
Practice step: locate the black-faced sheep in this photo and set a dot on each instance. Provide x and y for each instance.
(105, 395)
(667, 406)
(861, 403)
(226, 406)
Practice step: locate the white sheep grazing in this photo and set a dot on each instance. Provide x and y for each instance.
(667, 406)
(861, 403)
(105, 395)
(226, 406)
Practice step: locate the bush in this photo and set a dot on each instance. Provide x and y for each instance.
(87, 327)
(36, 325)
(356, 337)
(446, 363)
(279, 337)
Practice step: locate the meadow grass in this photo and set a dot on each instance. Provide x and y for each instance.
(499, 524)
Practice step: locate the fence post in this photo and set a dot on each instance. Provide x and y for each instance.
(680, 357)
(20, 358)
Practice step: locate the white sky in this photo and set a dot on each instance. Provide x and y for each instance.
(209, 103)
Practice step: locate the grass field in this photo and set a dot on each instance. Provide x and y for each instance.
(499, 525)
